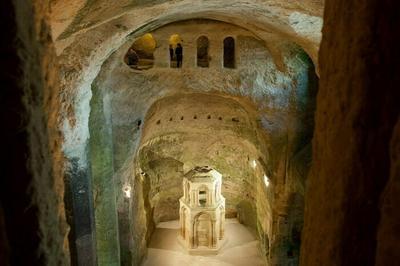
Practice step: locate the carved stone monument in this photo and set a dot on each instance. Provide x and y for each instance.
(202, 211)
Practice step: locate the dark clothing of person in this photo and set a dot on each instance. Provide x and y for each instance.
(179, 55)
(133, 58)
(171, 53)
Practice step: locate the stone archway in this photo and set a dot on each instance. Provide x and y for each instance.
(202, 230)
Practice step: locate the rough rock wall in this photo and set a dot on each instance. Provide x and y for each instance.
(283, 103)
(282, 96)
(32, 184)
(355, 148)
(388, 236)
(299, 21)
(82, 54)
(98, 30)
(386, 67)
(80, 14)
(183, 131)
(135, 221)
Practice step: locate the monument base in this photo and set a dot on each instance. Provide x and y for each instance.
(201, 250)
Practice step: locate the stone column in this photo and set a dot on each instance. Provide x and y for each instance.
(196, 197)
(236, 52)
(193, 199)
(101, 158)
(79, 204)
(213, 234)
(161, 54)
(215, 53)
(222, 226)
(181, 220)
(189, 52)
(192, 234)
(184, 190)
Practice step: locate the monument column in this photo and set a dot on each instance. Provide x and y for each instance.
(214, 234)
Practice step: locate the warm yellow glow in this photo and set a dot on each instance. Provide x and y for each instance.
(175, 39)
(149, 41)
(146, 43)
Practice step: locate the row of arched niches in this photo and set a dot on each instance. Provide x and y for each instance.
(140, 55)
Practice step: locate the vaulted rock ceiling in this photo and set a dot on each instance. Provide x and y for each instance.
(87, 33)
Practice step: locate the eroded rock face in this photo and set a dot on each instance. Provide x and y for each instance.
(355, 140)
(388, 233)
(180, 131)
(265, 104)
(82, 54)
(248, 122)
(102, 46)
(33, 226)
(83, 16)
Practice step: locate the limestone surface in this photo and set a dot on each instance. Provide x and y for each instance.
(141, 130)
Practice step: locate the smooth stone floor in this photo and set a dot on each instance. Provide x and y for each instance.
(240, 248)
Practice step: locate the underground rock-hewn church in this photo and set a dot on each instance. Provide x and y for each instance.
(180, 133)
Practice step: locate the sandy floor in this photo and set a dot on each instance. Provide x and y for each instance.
(240, 248)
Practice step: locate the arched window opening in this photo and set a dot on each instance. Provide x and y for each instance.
(175, 51)
(229, 52)
(140, 55)
(203, 230)
(202, 197)
(202, 52)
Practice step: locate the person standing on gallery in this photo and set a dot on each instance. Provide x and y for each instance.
(171, 53)
(179, 55)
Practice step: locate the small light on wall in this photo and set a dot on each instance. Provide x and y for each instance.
(127, 191)
(253, 164)
(266, 180)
